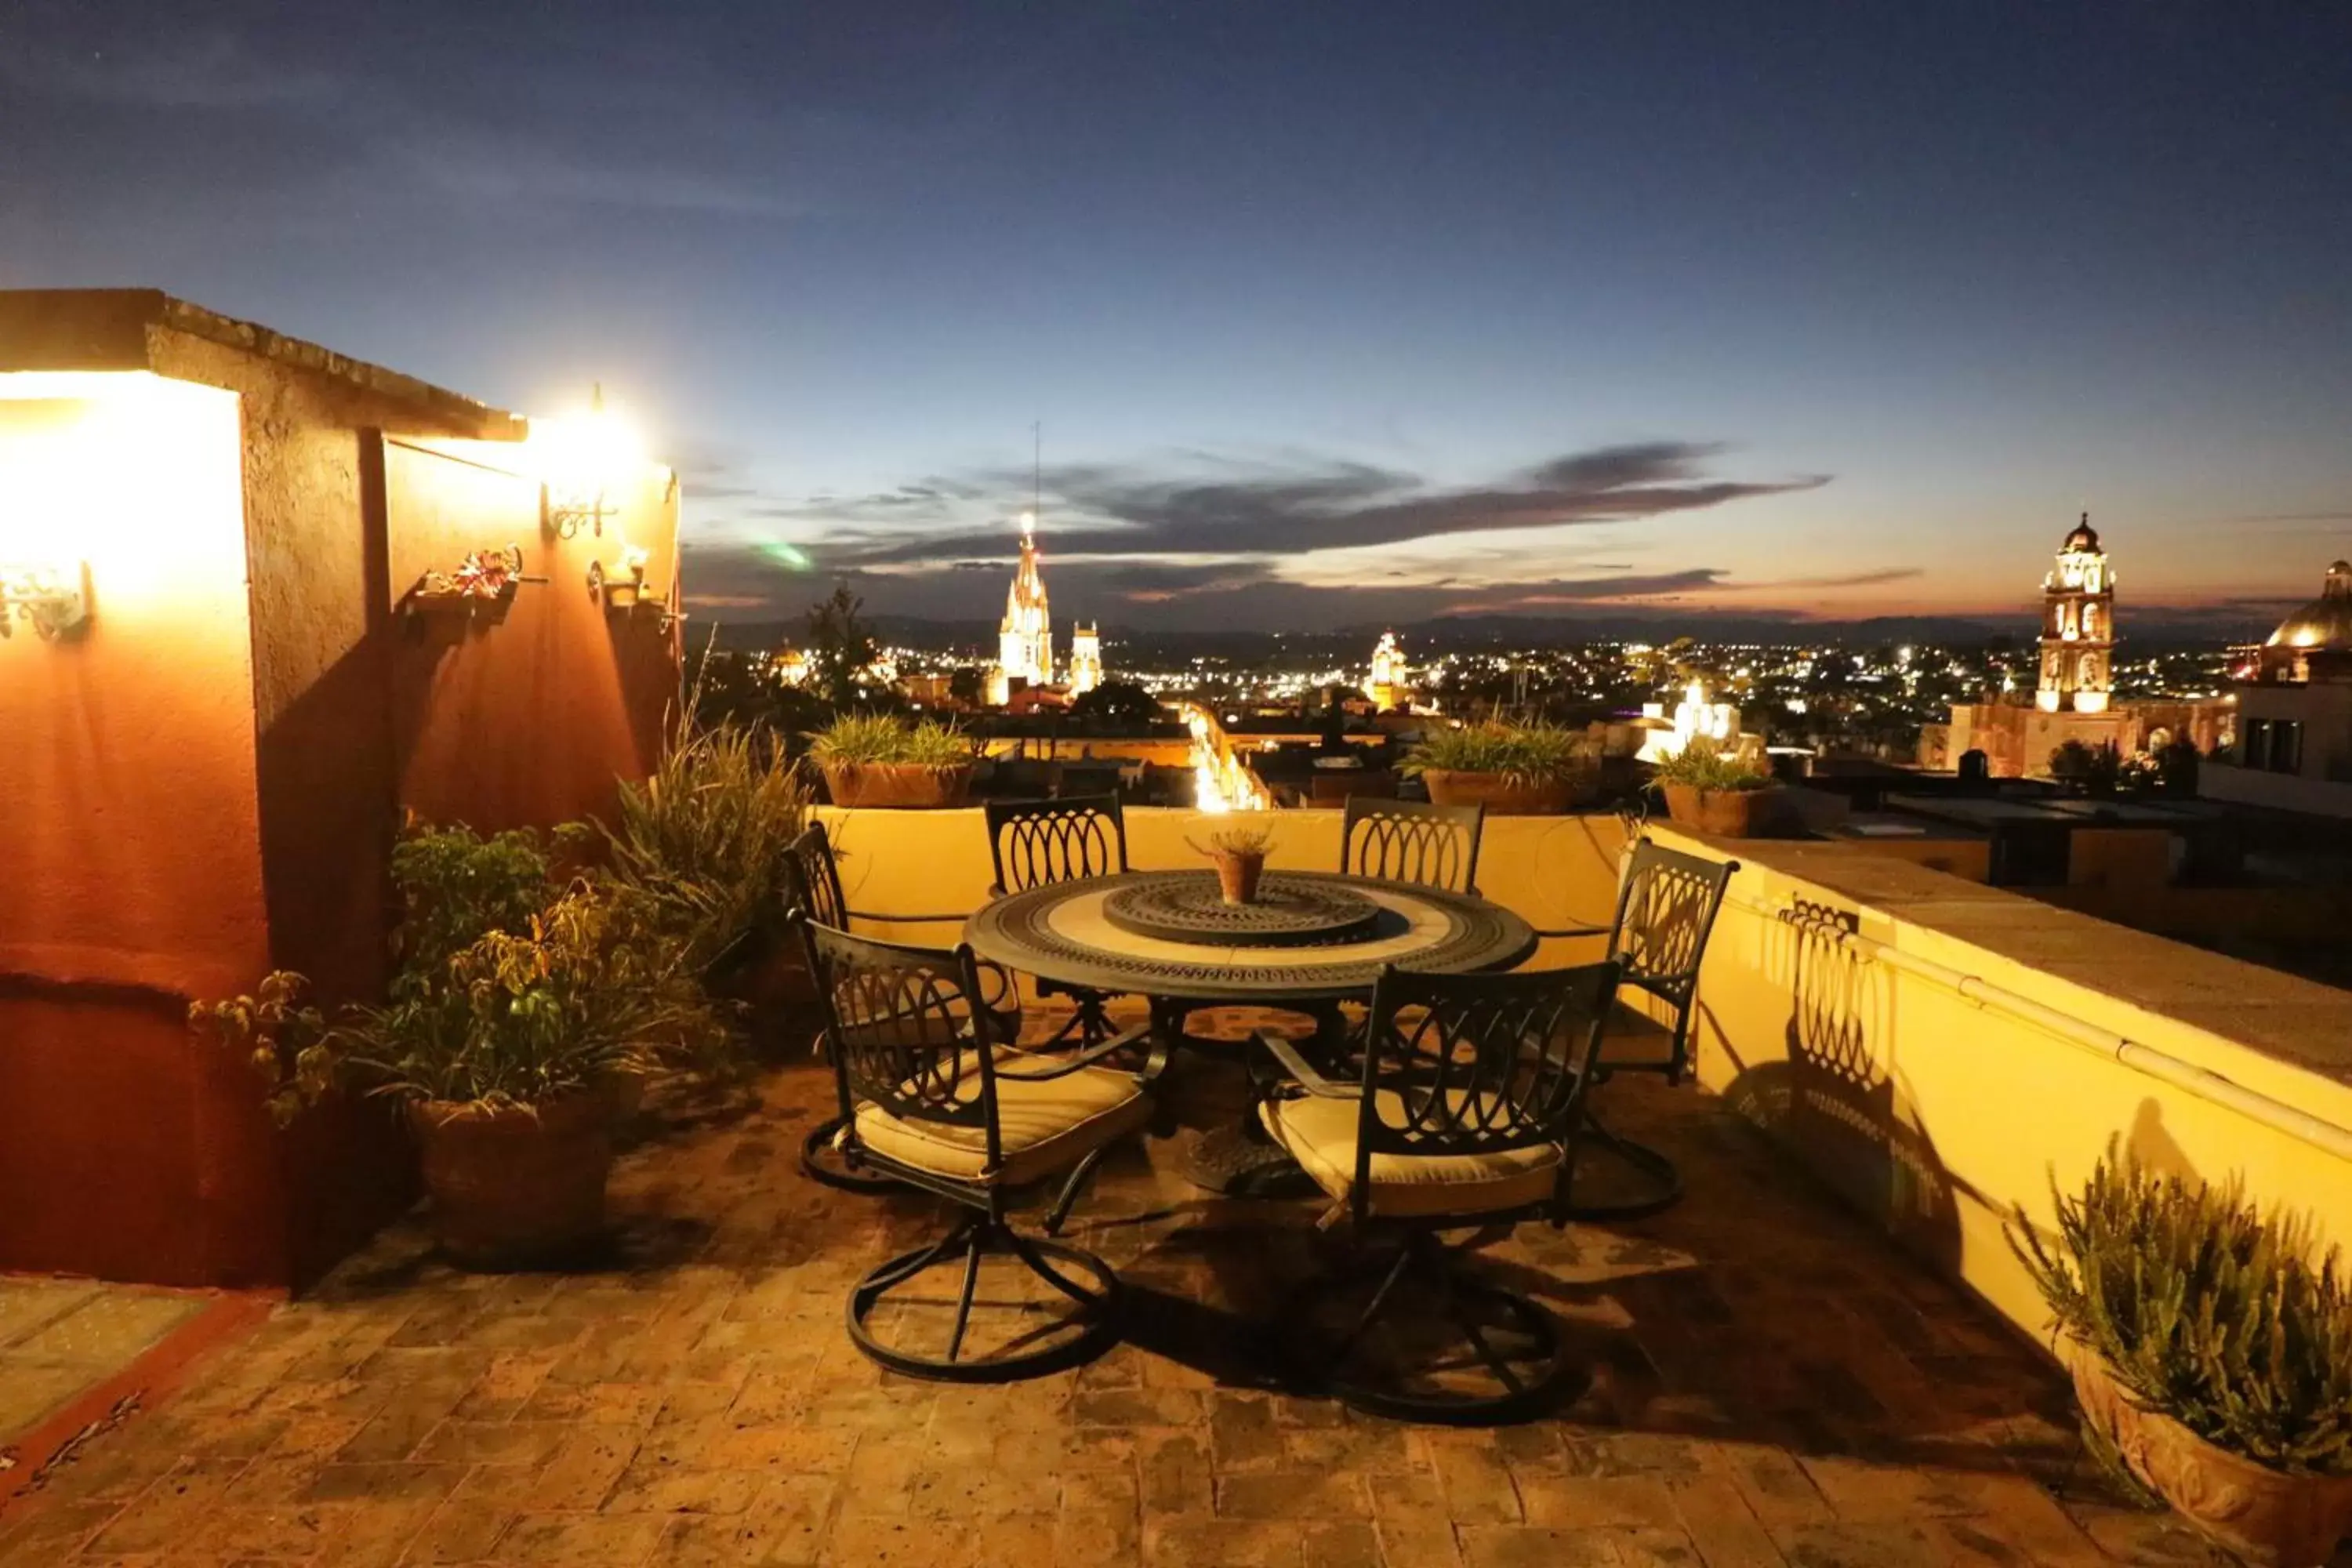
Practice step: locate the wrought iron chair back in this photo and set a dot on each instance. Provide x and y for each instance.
(899, 1021)
(1035, 842)
(812, 880)
(1412, 841)
(1665, 910)
(1477, 1064)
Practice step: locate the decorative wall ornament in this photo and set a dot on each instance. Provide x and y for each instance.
(52, 600)
(484, 578)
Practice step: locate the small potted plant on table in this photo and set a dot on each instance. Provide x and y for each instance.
(1716, 792)
(879, 760)
(2210, 1354)
(1239, 853)
(1513, 769)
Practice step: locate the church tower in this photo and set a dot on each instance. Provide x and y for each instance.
(2078, 628)
(1086, 660)
(1024, 639)
(1387, 686)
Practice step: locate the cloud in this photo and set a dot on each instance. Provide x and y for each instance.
(1105, 510)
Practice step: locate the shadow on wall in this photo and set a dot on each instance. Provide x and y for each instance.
(1833, 1101)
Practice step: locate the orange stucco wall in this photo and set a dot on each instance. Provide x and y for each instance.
(205, 781)
(524, 718)
(132, 831)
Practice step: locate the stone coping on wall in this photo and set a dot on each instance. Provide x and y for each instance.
(2253, 1021)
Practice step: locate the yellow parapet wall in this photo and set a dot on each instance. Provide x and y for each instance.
(1933, 1048)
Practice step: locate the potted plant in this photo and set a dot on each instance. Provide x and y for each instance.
(879, 760)
(703, 840)
(1240, 853)
(1513, 769)
(1716, 792)
(518, 1013)
(2211, 1356)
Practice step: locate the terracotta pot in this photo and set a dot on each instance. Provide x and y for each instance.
(516, 1187)
(1726, 812)
(1238, 876)
(1500, 797)
(910, 786)
(2262, 1515)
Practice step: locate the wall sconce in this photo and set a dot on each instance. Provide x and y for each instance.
(581, 457)
(623, 589)
(52, 600)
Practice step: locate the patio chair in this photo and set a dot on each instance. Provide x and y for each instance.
(812, 889)
(1034, 842)
(1467, 1097)
(1666, 905)
(935, 1102)
(1400, 841)
(1412, 841)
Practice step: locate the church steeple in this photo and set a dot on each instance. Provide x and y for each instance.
(2078, 627)
(1024, 639)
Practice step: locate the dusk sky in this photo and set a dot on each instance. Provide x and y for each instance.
(1331, 313)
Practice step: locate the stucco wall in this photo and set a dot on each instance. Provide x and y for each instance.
(524, 720)
(132, 832)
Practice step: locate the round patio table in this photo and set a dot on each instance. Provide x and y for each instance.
(1314, 937)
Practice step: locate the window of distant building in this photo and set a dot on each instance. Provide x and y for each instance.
(2274, 745)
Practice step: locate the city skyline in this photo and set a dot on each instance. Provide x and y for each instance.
(1332, 315)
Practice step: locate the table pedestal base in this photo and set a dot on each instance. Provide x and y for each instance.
(1230, 1163)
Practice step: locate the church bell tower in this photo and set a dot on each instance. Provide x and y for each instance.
(2078, 628)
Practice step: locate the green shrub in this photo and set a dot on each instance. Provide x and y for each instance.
(1700, 766)
(456, 886)
(2206, 1312)
(884, 738)
(703, 838)
(1522, 753)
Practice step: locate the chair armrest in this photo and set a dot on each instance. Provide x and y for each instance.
(1065, 1065)
(1313, 1082)
(1574, 931)
(887, 918)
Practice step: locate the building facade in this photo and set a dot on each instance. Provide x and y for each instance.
(234, 681)
(1388, 686)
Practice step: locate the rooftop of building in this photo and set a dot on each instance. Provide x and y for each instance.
(83, 329)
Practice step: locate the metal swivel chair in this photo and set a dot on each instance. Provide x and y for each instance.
(1031, 843)
(936, 1102)
(1666, 905)
(1411, 841)
(1466, 1099)
(812, 889)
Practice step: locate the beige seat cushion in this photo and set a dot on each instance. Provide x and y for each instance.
(1320, 1134)
(1043, 1127)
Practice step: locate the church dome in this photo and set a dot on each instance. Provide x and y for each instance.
(2326, 621)
(2084, 540)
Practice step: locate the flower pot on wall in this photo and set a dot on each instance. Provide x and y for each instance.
(1499, 793)
(516, 1185)
(903, 785)
(1726, 812)
(2262, 1515)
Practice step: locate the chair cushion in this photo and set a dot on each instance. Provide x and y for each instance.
(1043, 1127)
(1320, 1134)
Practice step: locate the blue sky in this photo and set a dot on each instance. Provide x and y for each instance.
(1331, 312)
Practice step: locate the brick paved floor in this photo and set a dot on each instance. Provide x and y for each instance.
(1771, 1384)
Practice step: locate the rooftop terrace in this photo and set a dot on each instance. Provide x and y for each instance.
(1771, 1382)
